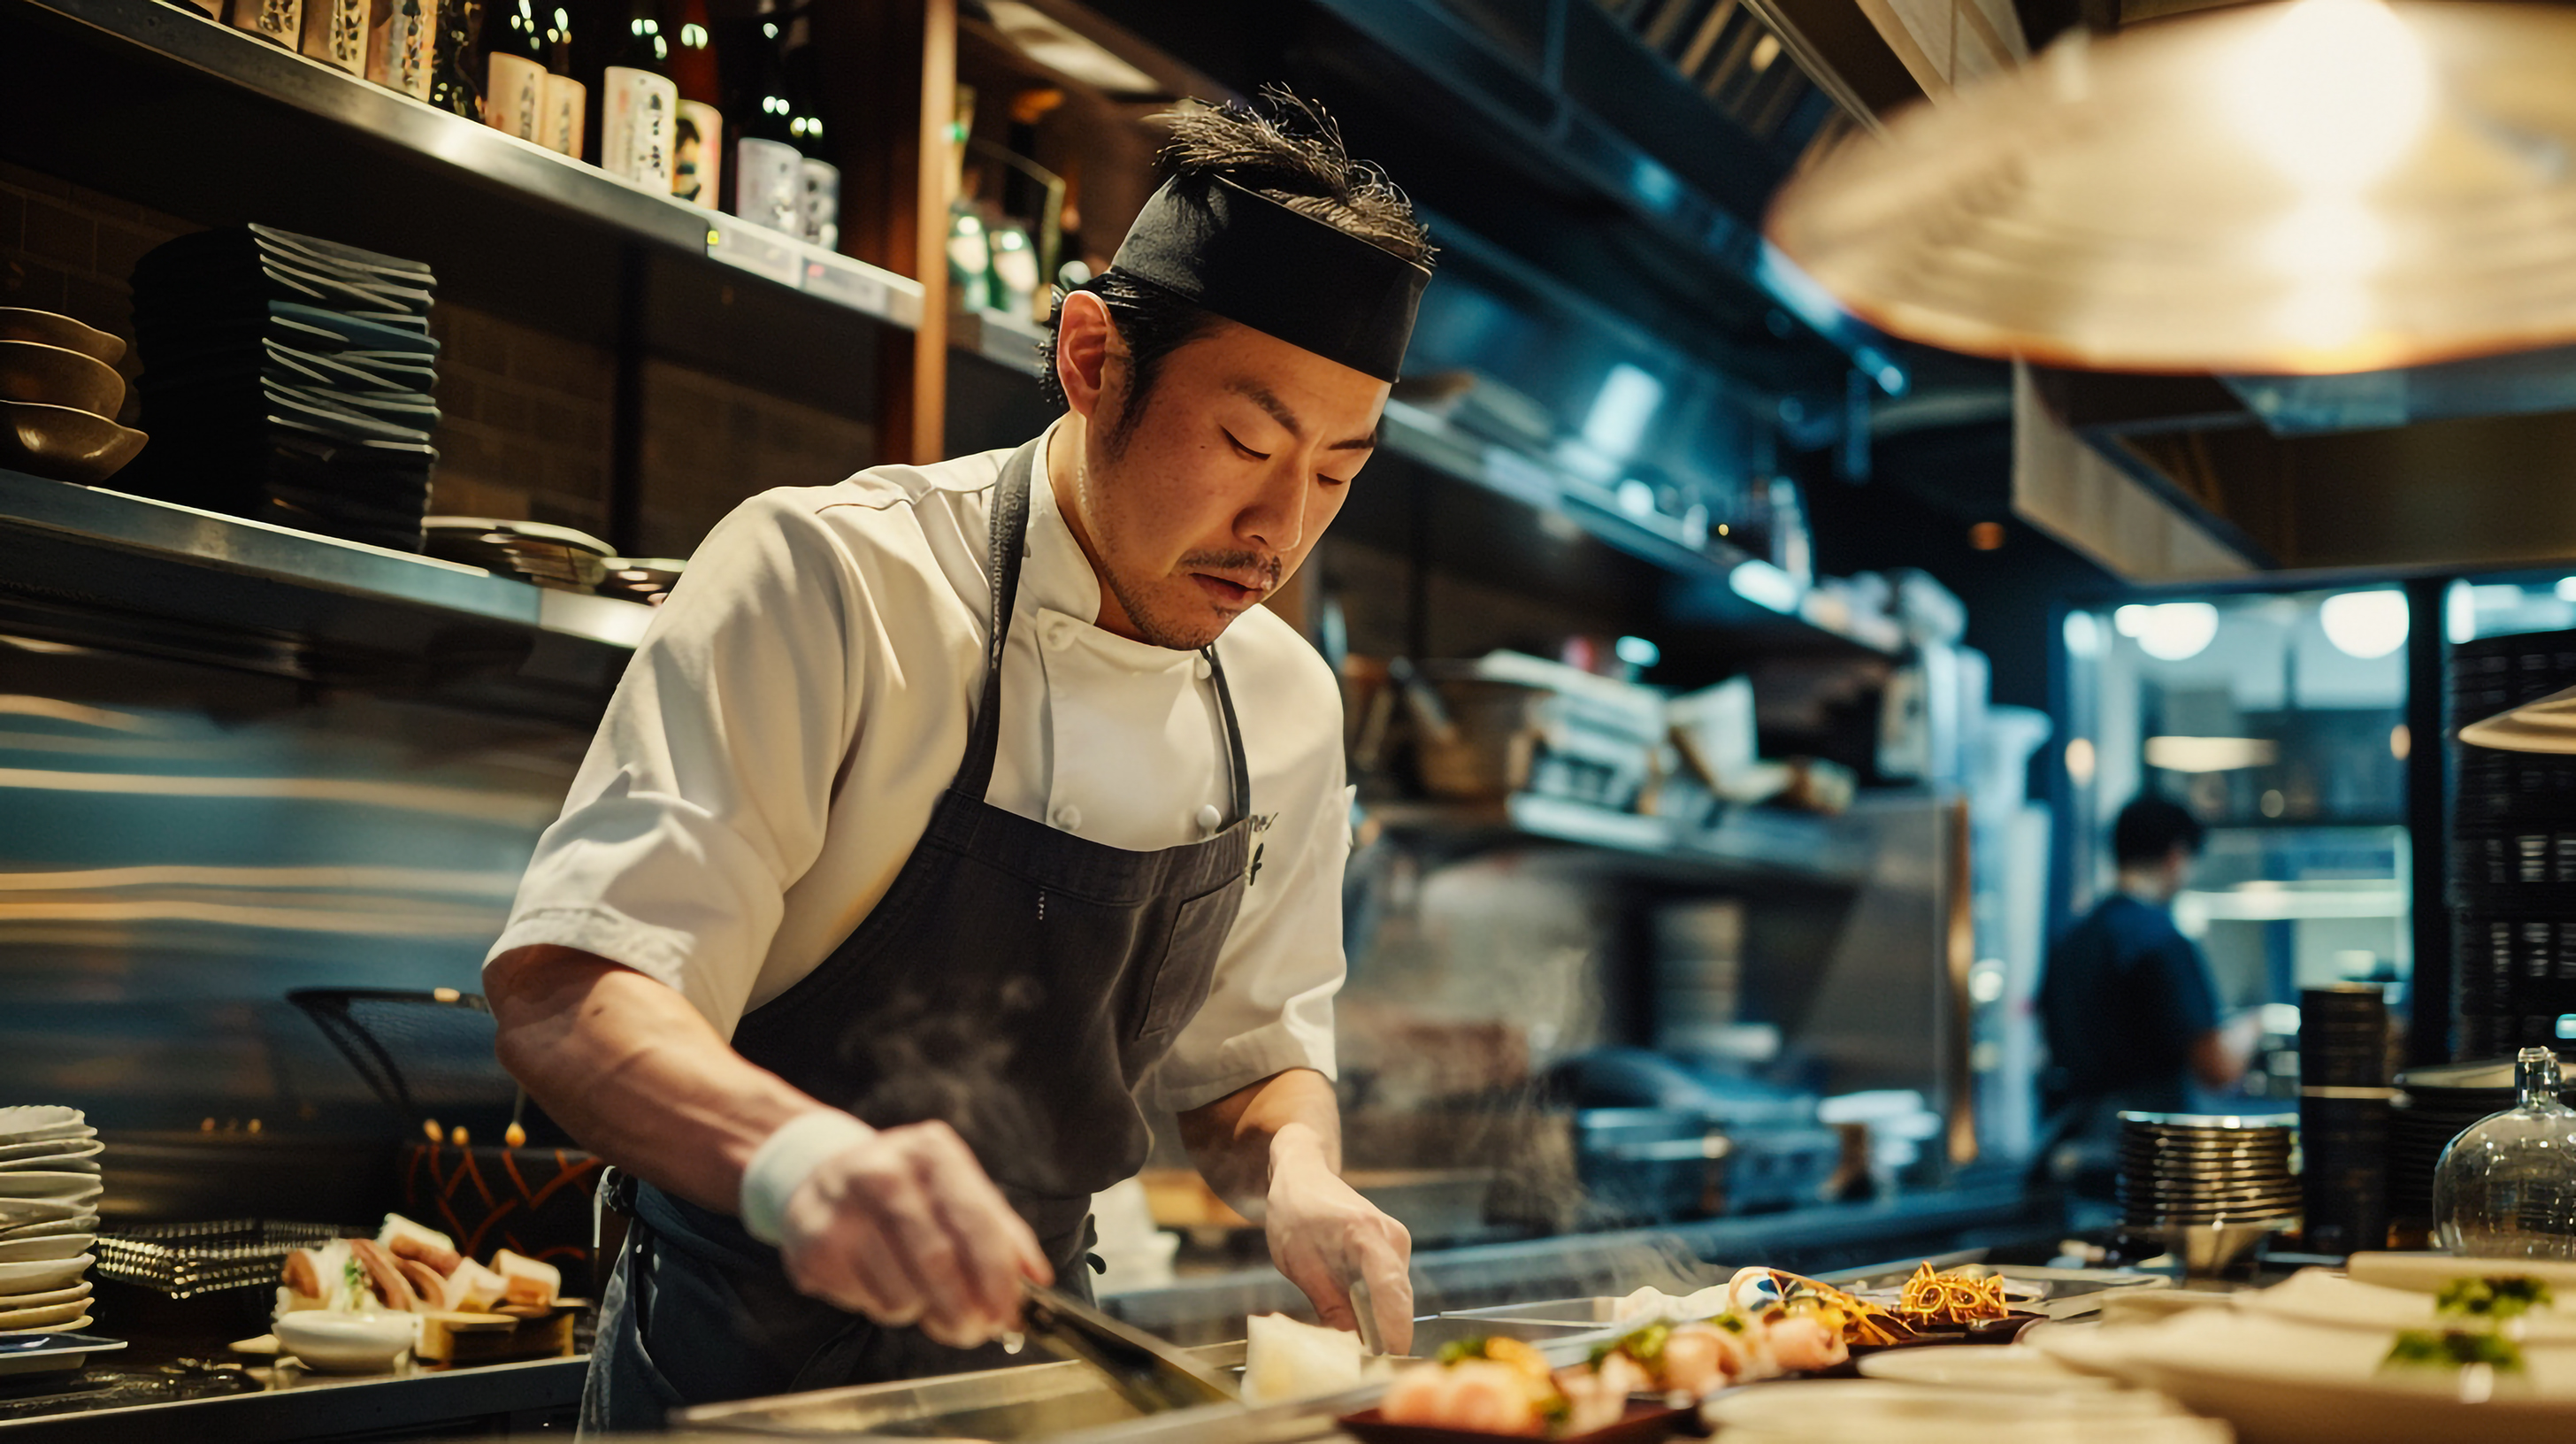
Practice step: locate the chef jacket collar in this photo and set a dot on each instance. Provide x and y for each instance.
(1058, 578)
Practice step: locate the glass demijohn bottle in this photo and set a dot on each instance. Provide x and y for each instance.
(2506, 1187)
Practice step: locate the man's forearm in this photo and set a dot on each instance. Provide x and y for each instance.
(1239, 1138)
(632, 1071)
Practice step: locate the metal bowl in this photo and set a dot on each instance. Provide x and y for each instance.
(59, 376)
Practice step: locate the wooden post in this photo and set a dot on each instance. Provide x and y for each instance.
(898, 60)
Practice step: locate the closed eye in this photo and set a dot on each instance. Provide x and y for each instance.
(1246, 450)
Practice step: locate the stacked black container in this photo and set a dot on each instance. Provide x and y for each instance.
(2513, 856)
(2344, 1102)
(288, 379)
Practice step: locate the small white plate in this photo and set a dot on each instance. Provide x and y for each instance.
(18, 1212)
(44, 1316)
(62, 1353)
(72, 1327)
(44, 1298)
(49, 1184)
(62, 1153)
(51, 1226)
(41, 1123)
(37, 1250)
(43, 1274)
(13, 1153)
(2008, 1369)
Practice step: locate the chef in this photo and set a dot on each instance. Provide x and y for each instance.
(950, 816)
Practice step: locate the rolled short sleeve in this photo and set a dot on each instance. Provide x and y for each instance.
(706, 789)
(1270, 1007)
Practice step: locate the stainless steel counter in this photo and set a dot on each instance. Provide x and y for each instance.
(292, 1405)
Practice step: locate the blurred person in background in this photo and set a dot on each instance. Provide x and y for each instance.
(2127, 1006)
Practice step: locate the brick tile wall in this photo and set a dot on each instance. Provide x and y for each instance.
(68, 249)
(526, 414)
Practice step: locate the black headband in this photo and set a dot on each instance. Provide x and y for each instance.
(1250, 259)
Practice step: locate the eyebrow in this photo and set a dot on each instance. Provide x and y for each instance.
(1261, 396)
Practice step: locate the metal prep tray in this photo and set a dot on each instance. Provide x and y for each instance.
(1590, 1314)
(2064, 1293)
(1069, 1402)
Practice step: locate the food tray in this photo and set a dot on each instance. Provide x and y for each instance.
(183, 1260)
(1644, 1424)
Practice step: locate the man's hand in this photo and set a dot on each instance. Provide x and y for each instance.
(905, 1228)
(1323, 1234)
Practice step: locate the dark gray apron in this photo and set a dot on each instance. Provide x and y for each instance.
(1016, 982)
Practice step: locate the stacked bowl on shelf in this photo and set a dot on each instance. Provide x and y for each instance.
(49, 1191)
(2344, 1100)
(2212, 1184)
(59, 395)
(2513, 856)
(289, 380)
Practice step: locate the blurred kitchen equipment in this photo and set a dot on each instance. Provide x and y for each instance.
(185, 1260)
(428, 1055)
(1145, 1371)
(1507, 722)
(2513, 846)
(2212, 1185)
(2506, 1188)
(2324, 186)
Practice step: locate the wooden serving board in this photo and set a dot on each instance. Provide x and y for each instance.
(449, 1339)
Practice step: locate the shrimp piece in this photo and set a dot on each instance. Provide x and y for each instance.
(1695, 1359)
(1491, 1398)
(1800, 1343)
(1418, 1395)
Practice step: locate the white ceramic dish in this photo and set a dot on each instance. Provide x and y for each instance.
(41, 1274)
(40, 1122)
(338, 1343)
(1870, 1411)
(2428, 1272)
(77, 1224)
(2282, 1381)
(72, 1327)
(33, 1155)
(2009, 1369)
(44, 1316)
(45, 1298)
(34, 1250)
(19, 1212)
(2314, 1296)
(50, 1184)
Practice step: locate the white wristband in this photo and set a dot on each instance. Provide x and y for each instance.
(785, 1160)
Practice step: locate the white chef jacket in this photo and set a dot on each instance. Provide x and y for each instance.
(801, 700)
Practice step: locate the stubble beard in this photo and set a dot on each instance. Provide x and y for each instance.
(1156, 625)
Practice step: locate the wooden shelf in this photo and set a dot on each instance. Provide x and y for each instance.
(87, 563)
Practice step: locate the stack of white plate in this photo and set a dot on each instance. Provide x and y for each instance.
(49, 1189)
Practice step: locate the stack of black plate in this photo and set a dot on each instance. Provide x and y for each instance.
(288, 380)
(2343, 1116)
(535, 551)
(2434, 1106)
(2513, 856)
(2184, 1168)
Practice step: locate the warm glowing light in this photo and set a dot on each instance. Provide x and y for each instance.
(1986, 536)
(2365, 624)
(2168, 631)
(1764, 585)
(2079, 761)
(2083, 634)
(2400, 742)
(2333, 93)
(2210, 754)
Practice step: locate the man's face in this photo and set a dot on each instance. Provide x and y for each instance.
(1241, 457)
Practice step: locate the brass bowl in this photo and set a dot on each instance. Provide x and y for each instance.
(17, 323)
(63, 443)
(59, 376)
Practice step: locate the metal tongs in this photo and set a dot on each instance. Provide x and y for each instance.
(1145, 1371)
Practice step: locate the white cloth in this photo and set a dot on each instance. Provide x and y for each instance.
(802, 699)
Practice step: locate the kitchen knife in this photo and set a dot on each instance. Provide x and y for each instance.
(1145, 1371)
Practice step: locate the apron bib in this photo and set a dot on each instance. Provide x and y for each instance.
(1016, 982)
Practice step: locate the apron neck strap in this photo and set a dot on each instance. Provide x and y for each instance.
(1008, 548)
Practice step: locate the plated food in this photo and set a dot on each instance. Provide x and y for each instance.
(1957, 1297)
(1503, 1387)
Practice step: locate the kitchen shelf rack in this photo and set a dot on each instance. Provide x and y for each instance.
(514, 227)
(1743, 840)
(88, 564)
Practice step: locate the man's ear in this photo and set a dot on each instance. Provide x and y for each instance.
(1082, 332)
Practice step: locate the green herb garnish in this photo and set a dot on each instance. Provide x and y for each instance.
(2492, 1298)
(2454, 1349)
(1460, 1350)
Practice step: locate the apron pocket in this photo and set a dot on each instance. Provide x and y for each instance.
(1187, 967)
